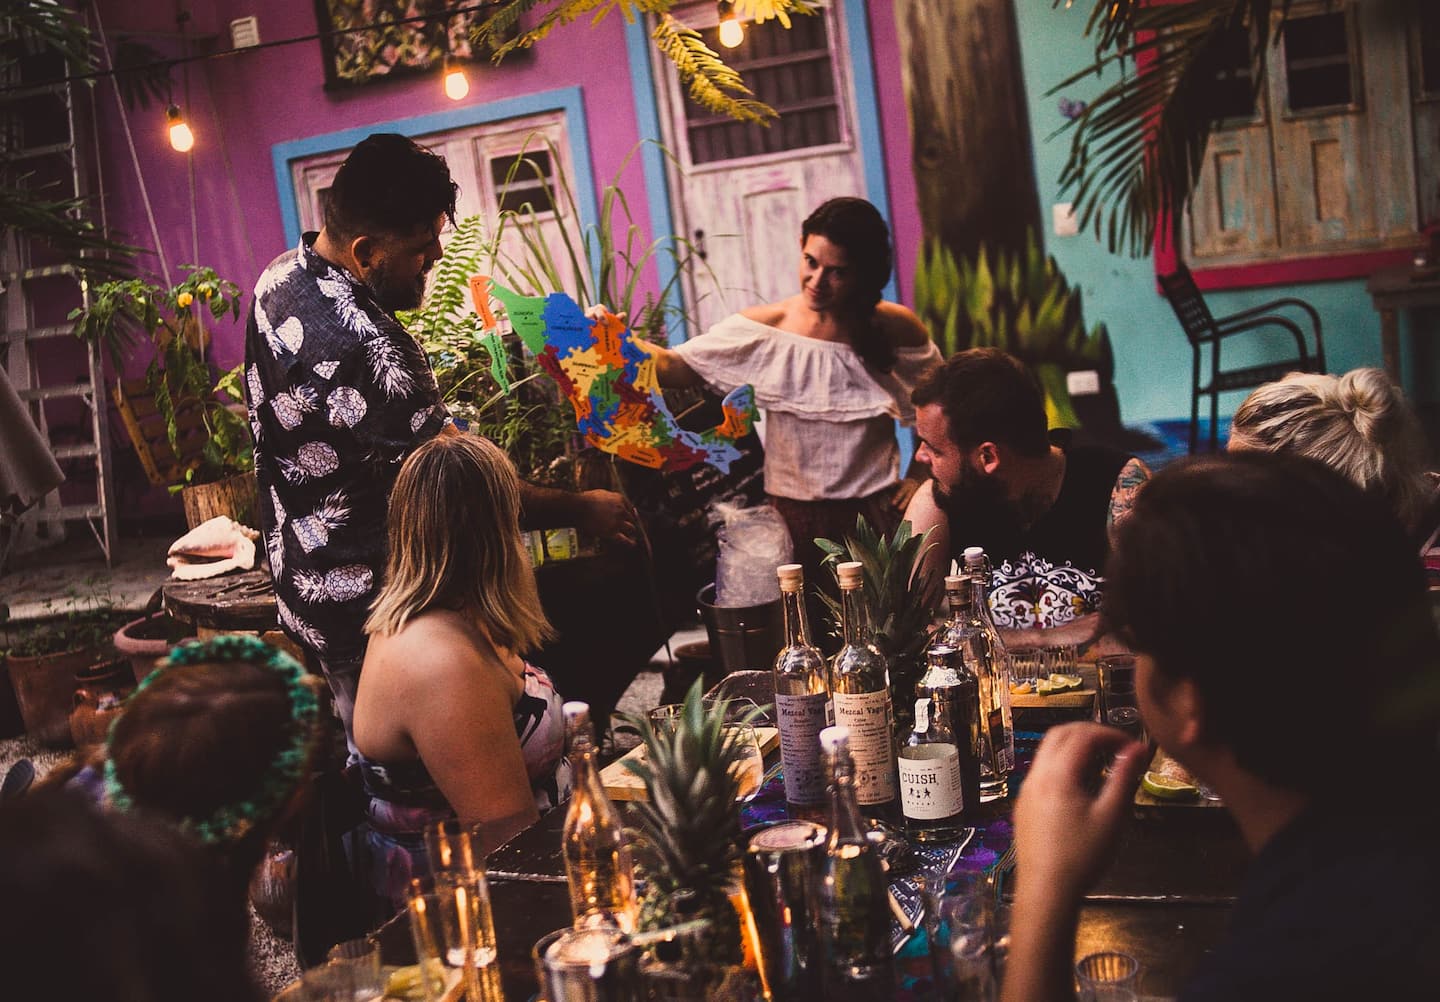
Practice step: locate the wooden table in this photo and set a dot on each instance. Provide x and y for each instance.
(229, 603)
(1165, 899)
(1395, 289)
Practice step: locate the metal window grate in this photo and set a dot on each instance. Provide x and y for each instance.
(790, 70)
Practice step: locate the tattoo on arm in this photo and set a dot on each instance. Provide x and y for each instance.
(1127, 487)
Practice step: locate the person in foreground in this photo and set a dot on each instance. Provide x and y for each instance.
(1286, 658)
(339, 394)
(1043, 508)
(450, 720)
(1359, 424)
(100, 905)
(833, 366)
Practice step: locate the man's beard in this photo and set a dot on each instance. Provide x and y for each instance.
(394, 294)
(977, 500)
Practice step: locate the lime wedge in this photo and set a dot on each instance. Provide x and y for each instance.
(1066, 681)
(1166, 788)
(1048, 687)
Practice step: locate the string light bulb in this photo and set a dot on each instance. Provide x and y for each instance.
(182, 140)
(457, 85)
(732, 33)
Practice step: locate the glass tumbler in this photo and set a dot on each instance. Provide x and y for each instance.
(1108, 977)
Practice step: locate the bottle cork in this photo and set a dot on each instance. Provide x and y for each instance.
(792, 577)
(851, 574)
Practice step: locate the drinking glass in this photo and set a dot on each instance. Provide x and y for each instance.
(1118, 704)
(749, 768)
(663, 718)
(1060, 659)
(597, 965)
(1108, 977)
(447, 845)
(967, 915)
(1027, 664)
(451, 925)
(362, 958)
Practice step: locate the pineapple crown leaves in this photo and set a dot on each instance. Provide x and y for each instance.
(900, 594)
(688, 823)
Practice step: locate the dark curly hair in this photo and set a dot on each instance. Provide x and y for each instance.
(857, 228)
(389, 185)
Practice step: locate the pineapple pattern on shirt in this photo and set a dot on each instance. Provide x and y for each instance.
(338, 394)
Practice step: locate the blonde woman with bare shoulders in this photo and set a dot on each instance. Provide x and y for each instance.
(450, 720)
(833, 367)
(1360, 425)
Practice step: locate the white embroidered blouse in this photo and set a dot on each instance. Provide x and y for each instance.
(829, 422)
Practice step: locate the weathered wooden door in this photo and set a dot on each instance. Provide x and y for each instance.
(498, 165)
(739, 192)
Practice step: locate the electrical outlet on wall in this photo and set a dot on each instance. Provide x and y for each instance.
(1082, 382)
(245, 32)
(1062, 219)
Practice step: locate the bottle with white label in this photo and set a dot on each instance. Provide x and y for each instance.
(802, 702)
(932, 794)
(860, 693)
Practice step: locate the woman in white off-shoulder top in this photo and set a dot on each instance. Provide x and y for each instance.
(833, 367)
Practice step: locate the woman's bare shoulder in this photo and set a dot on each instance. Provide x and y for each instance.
(901, 325)
(433, 644)
(769, 314)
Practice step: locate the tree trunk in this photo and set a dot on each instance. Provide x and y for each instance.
(969, 127)
(234, 496)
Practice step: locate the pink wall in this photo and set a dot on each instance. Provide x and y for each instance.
(241, 104)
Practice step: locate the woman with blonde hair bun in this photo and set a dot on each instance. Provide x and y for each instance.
(1360, 425)
(450, 720)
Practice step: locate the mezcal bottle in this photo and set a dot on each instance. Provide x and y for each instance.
(969, 630)
(931, 791)
(860, 693)
(854, 919)
(953, 691)
(802, 702)
(598, 863)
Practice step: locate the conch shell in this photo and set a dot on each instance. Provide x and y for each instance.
(212, 548)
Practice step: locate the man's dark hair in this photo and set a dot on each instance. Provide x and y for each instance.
(857, 228)
(1296, 604)
(388, 186)
(988, 396)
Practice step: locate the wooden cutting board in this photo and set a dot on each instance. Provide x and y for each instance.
(622, 784)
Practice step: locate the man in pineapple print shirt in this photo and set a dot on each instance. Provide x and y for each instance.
(339, 394)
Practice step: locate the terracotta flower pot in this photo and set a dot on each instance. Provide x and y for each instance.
(100, 692)
(45, 689)
(146, 640)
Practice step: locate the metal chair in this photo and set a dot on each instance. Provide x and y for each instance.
(1202, 329)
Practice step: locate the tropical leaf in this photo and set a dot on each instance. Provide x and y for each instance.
(1136, 152)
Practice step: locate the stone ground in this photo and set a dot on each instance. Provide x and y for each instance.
(73, 574)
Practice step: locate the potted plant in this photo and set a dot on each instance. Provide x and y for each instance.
(687, 838)
(204, 452)
(900, 599)
(44, 657)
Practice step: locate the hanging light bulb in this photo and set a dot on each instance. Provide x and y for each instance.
(732, 33)
(182, 140)
(457, 85)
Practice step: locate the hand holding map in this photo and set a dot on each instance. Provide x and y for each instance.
(609, 378)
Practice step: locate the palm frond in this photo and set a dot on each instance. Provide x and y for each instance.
(710, 82)
(1137, 151)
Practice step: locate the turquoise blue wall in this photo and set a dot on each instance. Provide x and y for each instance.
(1152, 358)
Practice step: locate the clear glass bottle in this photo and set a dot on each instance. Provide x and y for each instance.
(931, 792)
(951, 687)
(965, 631)
(598, 863)
(802, 701)
(860, 693)
(998, 711)
(854, 919)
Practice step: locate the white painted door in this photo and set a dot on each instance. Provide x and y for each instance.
(740, 192)
(499, 166)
